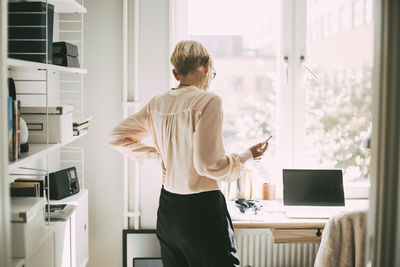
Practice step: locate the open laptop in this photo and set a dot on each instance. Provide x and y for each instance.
(312, 193)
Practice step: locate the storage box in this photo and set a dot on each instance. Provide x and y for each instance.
(59, 119)
(27, 225)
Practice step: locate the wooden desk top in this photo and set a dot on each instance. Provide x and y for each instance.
(274, 218)
(282, 224)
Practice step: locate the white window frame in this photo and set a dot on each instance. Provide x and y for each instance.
(292, 86)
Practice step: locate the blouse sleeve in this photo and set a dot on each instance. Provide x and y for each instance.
(128, 135)
(209, 153)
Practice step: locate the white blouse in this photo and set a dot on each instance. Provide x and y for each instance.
(186, 127)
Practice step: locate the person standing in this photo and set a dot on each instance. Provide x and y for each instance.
(194, 227)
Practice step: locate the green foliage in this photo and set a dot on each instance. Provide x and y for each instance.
(338, 120)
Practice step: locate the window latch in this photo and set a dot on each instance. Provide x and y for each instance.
(286, 64)
(309, 71)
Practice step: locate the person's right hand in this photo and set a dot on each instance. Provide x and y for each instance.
(258, 150)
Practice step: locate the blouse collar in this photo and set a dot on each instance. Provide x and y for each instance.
(182, 90)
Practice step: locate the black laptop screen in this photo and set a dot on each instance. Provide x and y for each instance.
(313, 187)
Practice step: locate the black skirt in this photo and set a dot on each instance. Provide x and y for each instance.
(195, 230)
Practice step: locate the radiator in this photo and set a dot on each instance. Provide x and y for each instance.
(256, 248)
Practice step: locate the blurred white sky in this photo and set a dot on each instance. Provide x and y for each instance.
(232, 17)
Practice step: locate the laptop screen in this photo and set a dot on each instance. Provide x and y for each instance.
(313, 187)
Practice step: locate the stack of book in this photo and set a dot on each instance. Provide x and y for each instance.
(14, 123)
(65, 54)
(81, 126)
(26, 187)
(30, 31)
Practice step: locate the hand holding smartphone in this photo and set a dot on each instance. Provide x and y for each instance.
(266, 141)
(259, 149)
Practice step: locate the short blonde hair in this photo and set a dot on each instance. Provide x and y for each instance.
(188, 56)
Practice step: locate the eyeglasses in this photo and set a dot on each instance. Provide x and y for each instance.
(213, 74)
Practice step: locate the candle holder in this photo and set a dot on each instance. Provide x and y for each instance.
(269, 191)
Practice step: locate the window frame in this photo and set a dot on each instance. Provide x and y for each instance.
(291, 89)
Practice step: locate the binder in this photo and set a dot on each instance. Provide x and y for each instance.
(28, 7)
(27, 25)
(28, 19)
(38, 46)
(27, 32)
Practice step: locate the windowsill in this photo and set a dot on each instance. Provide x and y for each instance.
(357, 190)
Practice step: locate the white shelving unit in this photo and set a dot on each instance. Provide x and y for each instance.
(38, 150)
(67, 6)
(11, 62)
(63, 85)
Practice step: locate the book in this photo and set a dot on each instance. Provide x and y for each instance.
(80, 126)
(14, 130)
(83, 120)
(11, 119)
(24, 189)
(40, 183)
(18, 141)
(14, 146)
(65, 49)
(10, 129)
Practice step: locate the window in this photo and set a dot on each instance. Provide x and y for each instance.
(244, 41)
(338, 105)
(315, 123)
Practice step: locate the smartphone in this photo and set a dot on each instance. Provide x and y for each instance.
(266, 141)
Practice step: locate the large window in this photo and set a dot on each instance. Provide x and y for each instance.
(244, 40)
(338, 104)
(266, 54)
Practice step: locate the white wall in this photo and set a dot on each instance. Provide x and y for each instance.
(102, 100)
(153, 80)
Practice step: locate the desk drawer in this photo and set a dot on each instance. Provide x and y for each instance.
(297, 235)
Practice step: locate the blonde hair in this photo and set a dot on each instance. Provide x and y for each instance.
(188, 56)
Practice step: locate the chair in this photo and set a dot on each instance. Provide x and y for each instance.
(343, 240)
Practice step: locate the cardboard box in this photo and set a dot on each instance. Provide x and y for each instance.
(59, 119)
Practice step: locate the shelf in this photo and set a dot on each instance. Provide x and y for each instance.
(36, 151)
(11, 62)
(67, 6)
(72, 200)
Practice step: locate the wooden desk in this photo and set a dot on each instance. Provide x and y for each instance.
(288, 230)
(284, 229)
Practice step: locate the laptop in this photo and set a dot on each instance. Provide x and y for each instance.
(313, 193)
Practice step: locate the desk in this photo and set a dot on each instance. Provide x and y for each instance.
(284, 229)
